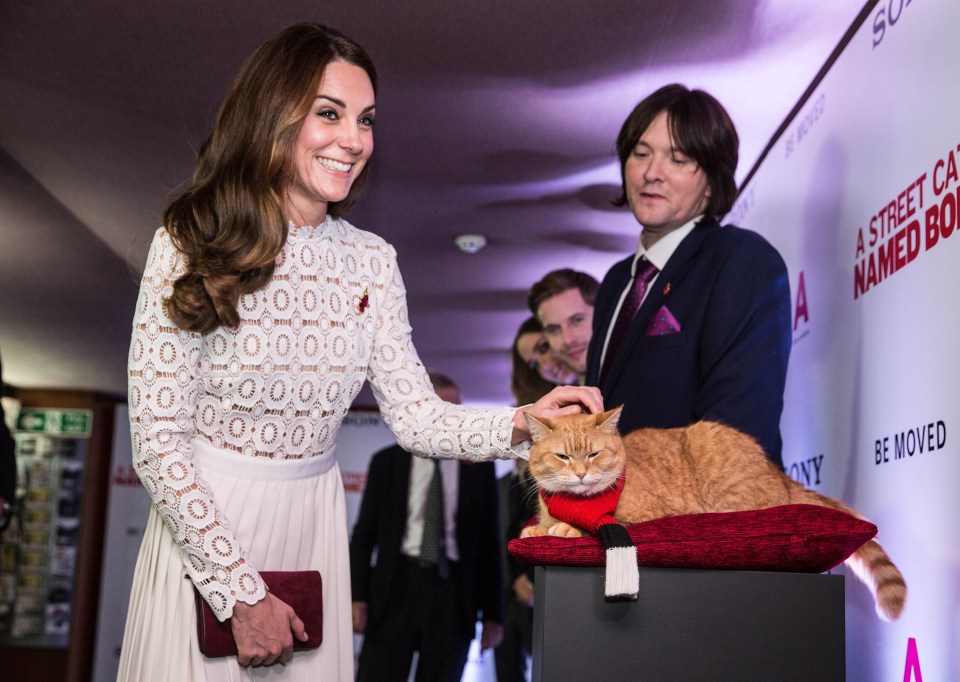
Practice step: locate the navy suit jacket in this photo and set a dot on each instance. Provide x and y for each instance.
(728, 289)
(8, 461)
(382, 521)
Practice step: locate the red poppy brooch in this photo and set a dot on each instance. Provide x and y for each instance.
(363, 302)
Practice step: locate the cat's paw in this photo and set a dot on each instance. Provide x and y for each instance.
(565, 530)
(533, 532)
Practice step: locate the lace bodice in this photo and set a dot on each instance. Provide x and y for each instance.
(279, 385)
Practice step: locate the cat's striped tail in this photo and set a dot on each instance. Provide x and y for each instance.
(873, 566)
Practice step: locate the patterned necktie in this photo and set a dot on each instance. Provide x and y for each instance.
(433, 545)
(646, 271)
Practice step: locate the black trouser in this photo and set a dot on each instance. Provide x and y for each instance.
(511, 655)
(423, 613)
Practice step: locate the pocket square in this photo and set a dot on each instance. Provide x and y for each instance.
(663, 323)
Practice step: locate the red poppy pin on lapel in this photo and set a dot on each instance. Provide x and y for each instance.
(666, 289)
(363, 302)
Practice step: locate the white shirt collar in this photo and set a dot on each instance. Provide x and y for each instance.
(660, 253)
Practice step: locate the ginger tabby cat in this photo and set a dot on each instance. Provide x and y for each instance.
(705, 467)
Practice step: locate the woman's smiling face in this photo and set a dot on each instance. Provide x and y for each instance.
(334, 143)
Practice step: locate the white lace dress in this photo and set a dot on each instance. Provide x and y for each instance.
(234, 438)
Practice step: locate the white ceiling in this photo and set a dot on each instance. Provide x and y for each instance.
(494, 116)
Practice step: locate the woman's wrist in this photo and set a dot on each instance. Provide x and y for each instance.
(520, 430)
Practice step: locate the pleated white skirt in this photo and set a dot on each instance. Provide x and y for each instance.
(284, 524)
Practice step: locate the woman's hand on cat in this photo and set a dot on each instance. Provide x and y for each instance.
(562, 400)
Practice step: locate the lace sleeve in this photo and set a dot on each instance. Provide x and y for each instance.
(163, 376)
(420, 420)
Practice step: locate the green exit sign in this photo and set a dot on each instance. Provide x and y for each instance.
(74, 423)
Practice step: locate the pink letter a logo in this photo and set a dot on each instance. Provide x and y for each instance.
(801, 309)
(911, 669)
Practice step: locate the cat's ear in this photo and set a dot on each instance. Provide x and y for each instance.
(607, 421)
(538, 429)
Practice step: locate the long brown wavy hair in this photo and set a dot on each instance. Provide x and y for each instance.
(526, 384)
(229, 222)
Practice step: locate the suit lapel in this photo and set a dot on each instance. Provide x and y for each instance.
(603, 316)
(673, 273)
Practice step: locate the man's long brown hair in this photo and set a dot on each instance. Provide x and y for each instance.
(700, 128)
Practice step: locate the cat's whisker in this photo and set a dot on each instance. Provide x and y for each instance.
(529, 493)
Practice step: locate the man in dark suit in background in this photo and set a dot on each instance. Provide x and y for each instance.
(407, 602)
(8, 466)
(711, 337)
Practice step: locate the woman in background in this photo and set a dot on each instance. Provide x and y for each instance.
(536, 366)
(261, 313)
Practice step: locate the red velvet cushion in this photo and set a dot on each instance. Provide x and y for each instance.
(799, 538)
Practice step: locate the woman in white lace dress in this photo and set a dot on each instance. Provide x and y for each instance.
(261, 313)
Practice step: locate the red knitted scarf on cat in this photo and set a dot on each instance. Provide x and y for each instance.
(595, 514)
(584, 512)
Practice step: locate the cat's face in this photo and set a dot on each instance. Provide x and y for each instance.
(580, 454)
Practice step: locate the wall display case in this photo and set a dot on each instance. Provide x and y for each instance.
(39, 549)
(51, 554)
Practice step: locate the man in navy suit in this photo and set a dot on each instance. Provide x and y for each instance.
(8, 466)
(711, 337)
(400, 604)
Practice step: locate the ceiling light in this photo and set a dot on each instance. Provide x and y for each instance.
(470, 243)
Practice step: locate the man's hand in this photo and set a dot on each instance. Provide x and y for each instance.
(6, 511)
(264, 632)
(491, 635)
(359, 617)
(562, 400)
(523, 590)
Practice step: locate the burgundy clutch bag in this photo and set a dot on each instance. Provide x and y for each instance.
(302, 590)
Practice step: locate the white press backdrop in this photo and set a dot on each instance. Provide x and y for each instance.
(873, 403)
(860, 194)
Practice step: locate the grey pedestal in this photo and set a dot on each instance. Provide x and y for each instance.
(689, 625)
